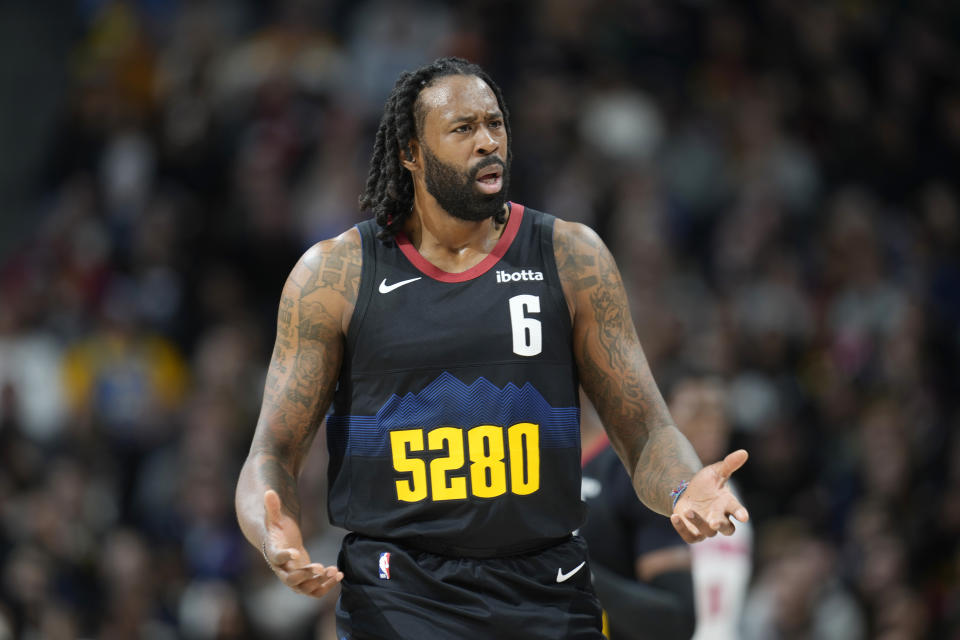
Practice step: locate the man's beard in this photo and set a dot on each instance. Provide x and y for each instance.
(456, 191)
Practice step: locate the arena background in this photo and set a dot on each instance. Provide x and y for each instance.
(778, 181)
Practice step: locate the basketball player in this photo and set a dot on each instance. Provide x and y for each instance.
(450, 333)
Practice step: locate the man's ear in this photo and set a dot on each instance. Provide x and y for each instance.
(410, 157)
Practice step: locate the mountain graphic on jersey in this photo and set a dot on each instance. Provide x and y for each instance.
(449, 402)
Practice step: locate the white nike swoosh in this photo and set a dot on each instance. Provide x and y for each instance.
(387, 288)
(562, 577)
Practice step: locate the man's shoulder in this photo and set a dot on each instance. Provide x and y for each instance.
(346, 245)
(331, 266)
(578, 252)
(565, 227)
(575, 235)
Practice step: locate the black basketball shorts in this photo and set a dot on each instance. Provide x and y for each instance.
(391, 592)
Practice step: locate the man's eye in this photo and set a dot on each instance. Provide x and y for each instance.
(496, 124)
(464, 128)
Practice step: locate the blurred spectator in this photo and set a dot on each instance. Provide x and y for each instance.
(32, 395)
(131, 605)
(722, 566)
(798, 594)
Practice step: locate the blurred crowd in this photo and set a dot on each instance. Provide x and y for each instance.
(778, 181)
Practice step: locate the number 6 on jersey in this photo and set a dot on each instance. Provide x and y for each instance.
(527, 335)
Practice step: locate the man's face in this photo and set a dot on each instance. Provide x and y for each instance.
(463, 144)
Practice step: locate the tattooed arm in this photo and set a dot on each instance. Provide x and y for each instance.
(616, 377)
(315, 307)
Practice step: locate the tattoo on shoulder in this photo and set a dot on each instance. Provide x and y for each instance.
(576, 259)
(337, 267)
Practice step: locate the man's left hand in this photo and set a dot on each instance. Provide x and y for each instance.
(706, 505)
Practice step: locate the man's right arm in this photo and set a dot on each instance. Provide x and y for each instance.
(315, 307)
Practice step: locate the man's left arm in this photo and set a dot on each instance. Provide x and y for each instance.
(616, 377)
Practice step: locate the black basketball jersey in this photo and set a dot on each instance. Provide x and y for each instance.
(455, 423)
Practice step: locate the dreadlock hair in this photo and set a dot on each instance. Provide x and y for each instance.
(389, 189)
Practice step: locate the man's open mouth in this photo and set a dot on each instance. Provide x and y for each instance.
(490, 179)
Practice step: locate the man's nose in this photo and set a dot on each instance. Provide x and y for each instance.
(486, 142)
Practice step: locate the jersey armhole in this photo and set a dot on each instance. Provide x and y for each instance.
(365, 290)
(546, 223)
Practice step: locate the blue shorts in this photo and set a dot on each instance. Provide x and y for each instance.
(394, 592)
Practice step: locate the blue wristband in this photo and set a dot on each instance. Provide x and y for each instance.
(676, 493)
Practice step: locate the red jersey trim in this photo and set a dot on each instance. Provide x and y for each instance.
(432, 271)
(595, 449)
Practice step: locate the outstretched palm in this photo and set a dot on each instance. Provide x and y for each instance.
(707, 504)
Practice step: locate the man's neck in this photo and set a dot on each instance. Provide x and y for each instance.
(450, 243)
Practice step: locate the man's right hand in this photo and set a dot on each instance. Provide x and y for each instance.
(283, 550)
